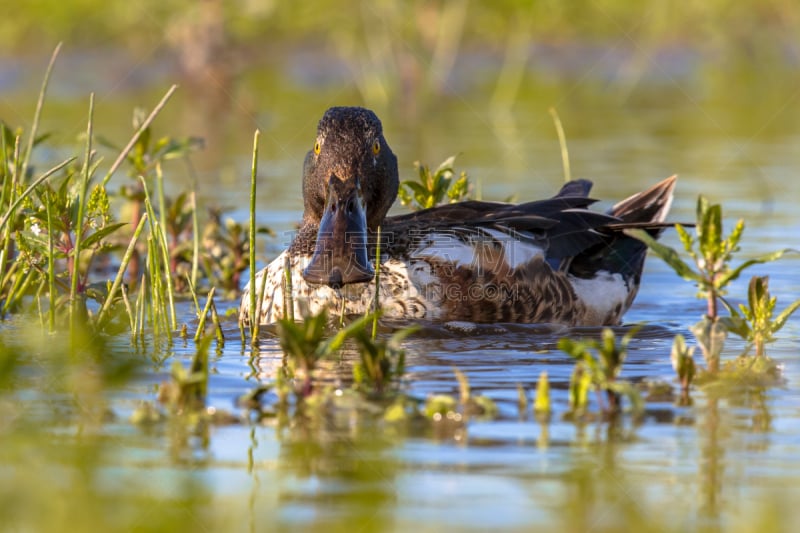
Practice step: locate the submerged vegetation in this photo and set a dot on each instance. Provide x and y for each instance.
(600, 372)
(712, 254)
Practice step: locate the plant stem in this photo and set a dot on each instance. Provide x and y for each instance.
(376, 302)
(159, 249)
(131, 317)
(562, 141)
(217, 325)
(21, 283)
(253, 173)
(288, 290)
(143, 126)
(202, 323)
(38, 113)
(162, 232)
(195, 225)
(260, 302)
(140, 308)
(122, 267)
(194, 296)
(712, 305)
(51, 266)
(84, 186)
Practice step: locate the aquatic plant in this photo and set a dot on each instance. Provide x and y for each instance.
(187, 389)
(683, 364)
(433, 188)
(754, 322)
(473, 404)
(711, 253)
(58, 228)
(381, 362)
(305, 344)
(542, 406)
(448, 409)
(600, 372)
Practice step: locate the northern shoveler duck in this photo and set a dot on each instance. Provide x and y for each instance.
(546, 261)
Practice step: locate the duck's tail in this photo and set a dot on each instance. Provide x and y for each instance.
(648, 207)
(621, 253)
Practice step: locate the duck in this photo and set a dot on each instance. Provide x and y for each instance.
(551, 261)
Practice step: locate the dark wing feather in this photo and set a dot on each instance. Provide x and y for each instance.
(562, 225)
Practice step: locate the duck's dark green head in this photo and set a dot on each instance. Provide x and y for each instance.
(350, 181)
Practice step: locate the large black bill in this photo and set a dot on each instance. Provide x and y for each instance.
(340, 256)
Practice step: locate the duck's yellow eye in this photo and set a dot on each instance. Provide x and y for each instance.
(317, 147)
(376, 147)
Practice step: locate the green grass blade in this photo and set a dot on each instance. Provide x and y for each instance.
(667, 254)
(336, 342)
(254, 319)
(131, 316)
(39, 105)
(202, 323)
(142, 127)
(51, 267)
(195, 232)
(161, 251)
(781, 319)
(122, 268)
(733, 274)
(82, 190)
(217, 324)
(162, 234)
(193, 292)
(562, 142)
(377, 305)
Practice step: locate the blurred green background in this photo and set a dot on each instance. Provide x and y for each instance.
(436, 71)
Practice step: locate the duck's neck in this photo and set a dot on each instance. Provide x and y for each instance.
(305, 240)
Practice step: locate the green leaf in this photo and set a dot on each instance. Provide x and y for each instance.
(734, 238)
(731, 275)
(700, 212)
(415, 187)
(737, 325)
(781, 319)
(686, 240)
(710, 234)
(667, 254)
(405, 197)
(446, 165)
(542, 402)
(335, 343)
(681, 358)
(101, 233)
(576, 349)
(580, 383)
(459, 189)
